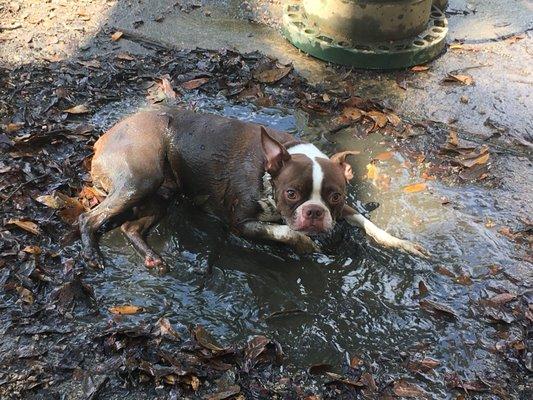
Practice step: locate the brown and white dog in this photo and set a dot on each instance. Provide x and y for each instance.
(263, 183)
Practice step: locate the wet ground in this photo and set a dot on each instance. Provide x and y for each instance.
(458, 323)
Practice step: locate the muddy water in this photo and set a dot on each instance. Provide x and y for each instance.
(351, 300)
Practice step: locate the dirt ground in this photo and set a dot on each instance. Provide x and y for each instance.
(460, 127)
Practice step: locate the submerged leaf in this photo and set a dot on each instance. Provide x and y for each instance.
(194, 83)
(415, 187)
(125, 309)
(403, 388)
(271, 75)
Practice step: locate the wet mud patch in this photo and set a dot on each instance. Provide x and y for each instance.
(236, 318)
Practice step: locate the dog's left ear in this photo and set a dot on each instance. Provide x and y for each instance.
(340, 158)
(275, 153)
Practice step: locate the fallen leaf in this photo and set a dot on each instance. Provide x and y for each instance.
(167, 88)
(393, 119)
(426, 364)
(386, 155)
(464, 280)
(336, 378)
(465, 80)
(79, 109)
(164, 328)
(194, 83)
(416, 187)
(28, 226)
(13, 126)
(476, 161)
(419, 68)
(224, 394)
(205, 339)
(422, 288)
(372, 172)
(116, 36)
(356, 362)
(32, 249)
(271, 75)
(125, 56)
(320, 369)
(502, 298)
(25, 295)
(436, 308)
(380, 119)
(193, 381)
(453, 139)
(403, 388)
(125, 310)
(368, 380)
(353, 113)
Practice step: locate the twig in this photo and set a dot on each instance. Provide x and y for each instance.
(145, 40)
(22, 185)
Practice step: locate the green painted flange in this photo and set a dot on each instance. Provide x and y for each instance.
(419, 49)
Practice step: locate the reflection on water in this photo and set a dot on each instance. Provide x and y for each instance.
(354, 299)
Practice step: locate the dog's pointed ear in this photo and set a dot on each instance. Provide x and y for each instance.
(340, 158)
(276, 154)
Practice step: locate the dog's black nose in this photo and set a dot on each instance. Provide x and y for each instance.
(314, 212)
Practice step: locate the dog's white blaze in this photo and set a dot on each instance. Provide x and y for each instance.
(311, 151)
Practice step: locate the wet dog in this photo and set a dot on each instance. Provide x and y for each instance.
(263, 183)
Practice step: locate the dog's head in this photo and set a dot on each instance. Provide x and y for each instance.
(310, 188)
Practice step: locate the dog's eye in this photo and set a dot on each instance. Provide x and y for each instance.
(335, 197)
(291, 194)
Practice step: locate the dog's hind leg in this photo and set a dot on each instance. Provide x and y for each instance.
(147, 216)
(113, 205)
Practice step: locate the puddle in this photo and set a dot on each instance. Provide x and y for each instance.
(355, 300)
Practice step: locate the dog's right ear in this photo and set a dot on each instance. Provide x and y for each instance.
(276, 154)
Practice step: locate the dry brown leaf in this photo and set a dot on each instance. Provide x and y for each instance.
(356, 362)
(444, 271)
(453, 139)
(25, 295)
(116, 36)
(465, 280)
(403, 388)
(125, 56)
(419, 68)
(79, 109)
(32, 249)
(422, 288)
(271, 75)
(167, 88)
(380, 119)
(125, 309)
(415, 187)
(353, 113)
(465, 80)
(194, 83)
(386, 155)
(14, 126)
(502, 298)
(28, 226)
(394, 120)
(482, 159)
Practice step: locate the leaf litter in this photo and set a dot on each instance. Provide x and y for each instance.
(151, 350)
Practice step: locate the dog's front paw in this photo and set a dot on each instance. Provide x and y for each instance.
(413, 248)
(304, 245)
